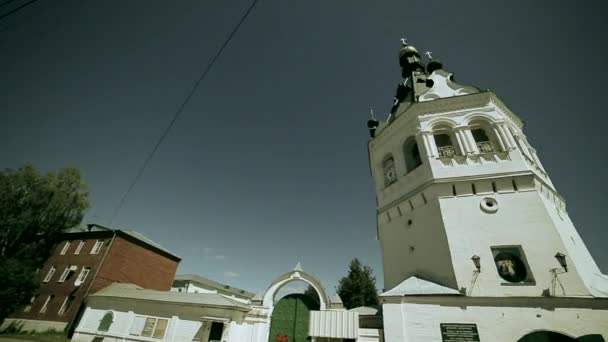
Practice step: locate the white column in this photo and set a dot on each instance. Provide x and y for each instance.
(508, 137)
(429, 144)
(463, 146)
(469, 137)
(499, 137)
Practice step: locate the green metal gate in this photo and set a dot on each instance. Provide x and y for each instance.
(290, 318)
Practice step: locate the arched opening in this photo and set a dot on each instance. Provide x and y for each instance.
(445, 142)
(290, 317)
(484, 137)
(411, 154)
(106, 322)
(546, 336)
(389, 170)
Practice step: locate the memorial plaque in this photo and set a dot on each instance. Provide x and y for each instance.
(459, 332)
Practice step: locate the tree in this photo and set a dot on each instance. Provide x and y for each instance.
(312, 293)
(358, 288)
(34, 210)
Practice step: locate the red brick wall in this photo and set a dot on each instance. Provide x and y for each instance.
(128, 262)
(66, 288)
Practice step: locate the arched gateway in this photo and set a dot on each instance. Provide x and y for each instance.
(289, 317)
(551, 336)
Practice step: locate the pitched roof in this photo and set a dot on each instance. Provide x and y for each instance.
(414, 286)
(134, 292)
(139, 237)
(212, 284)
(366, 310)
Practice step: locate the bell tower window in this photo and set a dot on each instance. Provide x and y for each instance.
(484, 139)
(444, 144)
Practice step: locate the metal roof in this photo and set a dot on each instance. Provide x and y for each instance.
(92, 228)
(134, 292)
(206, 282)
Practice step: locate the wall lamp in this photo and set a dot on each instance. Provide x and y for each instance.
(561, 258)
(476, 262)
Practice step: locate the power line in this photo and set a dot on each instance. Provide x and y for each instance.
(16, 9)
(7, 2)
(179, 111)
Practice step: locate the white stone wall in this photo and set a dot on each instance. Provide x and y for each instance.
(32, 325)
(177, 329)
(420, 322)
(522, 220)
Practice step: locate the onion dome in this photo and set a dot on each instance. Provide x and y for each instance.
(433, 65)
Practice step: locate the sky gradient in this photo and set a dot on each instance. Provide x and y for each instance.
(267, 165)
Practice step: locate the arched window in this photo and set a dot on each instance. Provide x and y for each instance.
(444, 140)
(389, 171)
(484, 137)
(411, 154)
(106, 321)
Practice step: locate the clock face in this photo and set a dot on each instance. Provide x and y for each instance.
(390, 174)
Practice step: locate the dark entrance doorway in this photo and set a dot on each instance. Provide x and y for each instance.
(550, 336)
(217, 328)
(290, 318)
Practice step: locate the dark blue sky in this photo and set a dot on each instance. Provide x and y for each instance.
(267, 165)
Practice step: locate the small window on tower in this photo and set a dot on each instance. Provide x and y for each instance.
(411, 154)
(512, 266)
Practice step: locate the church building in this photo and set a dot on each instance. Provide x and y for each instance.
(476, 241)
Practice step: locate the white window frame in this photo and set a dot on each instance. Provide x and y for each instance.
(97, 247)
(46, 303)
(79, 248)
(137, 331)
(82, 276)
(28, 307)
(63, 306)
(49, 275)
(66, 273)
(65, 248)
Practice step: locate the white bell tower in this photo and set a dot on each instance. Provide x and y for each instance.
(463, 200)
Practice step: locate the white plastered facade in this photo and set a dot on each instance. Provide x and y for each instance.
(433, 219)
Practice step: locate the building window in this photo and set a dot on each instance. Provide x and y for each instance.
(106, 321)
(49, 275)
(390, 173)
(484, 136)
(512, 266)
(48, 300)
(67, 273)
(65, 248)
(411, 154)
(149, 327)
(28, 307)
(82, 276)
(97, 247)
(445, 146)
(79, 248)
(67, 302)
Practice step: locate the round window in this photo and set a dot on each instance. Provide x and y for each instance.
(489, 205)
(510, 267)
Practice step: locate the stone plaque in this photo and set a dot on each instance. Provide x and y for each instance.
(459, 332)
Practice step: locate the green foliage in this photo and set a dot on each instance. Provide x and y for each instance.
(358, 288)
(34, 210)
(312, 293)
(49, 336)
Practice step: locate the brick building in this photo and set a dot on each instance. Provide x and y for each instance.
(86, 260)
